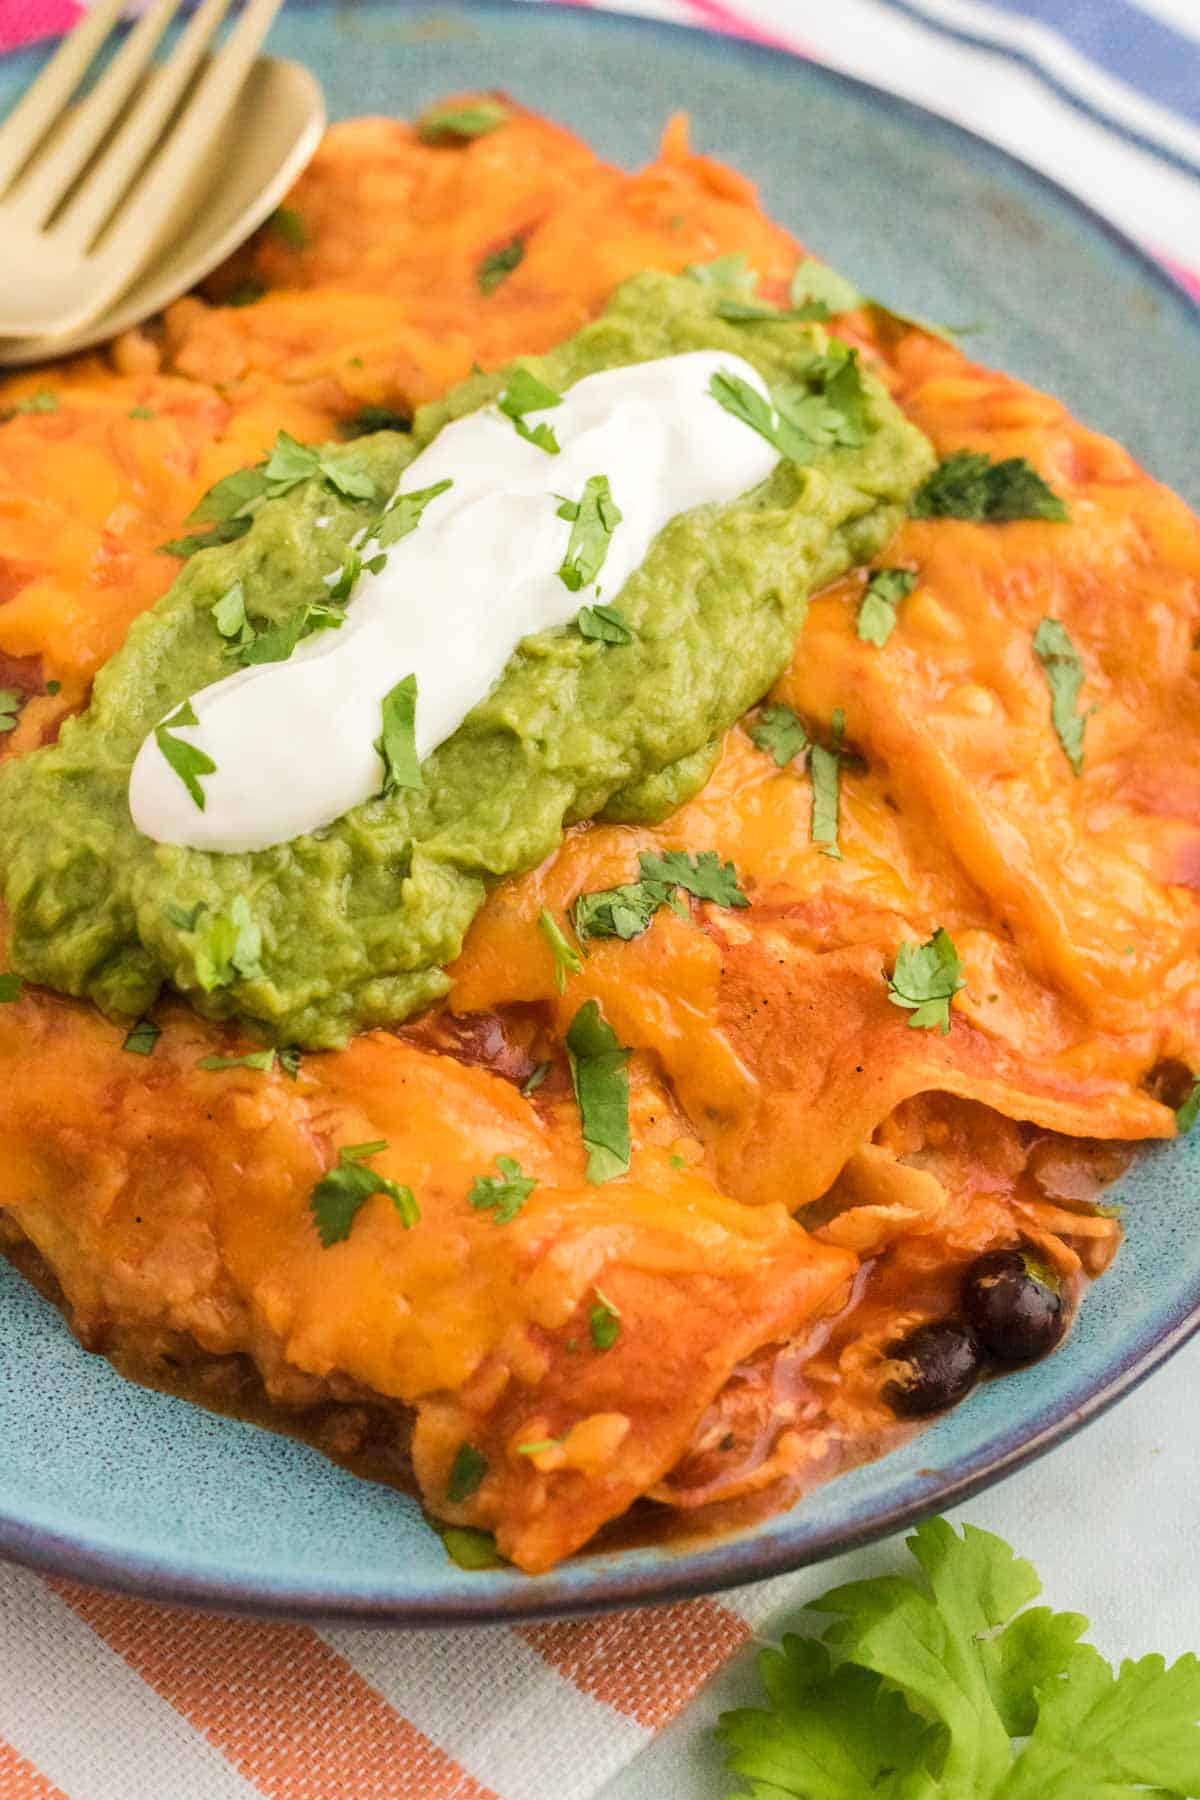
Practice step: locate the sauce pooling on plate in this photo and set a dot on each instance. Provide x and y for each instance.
(496, 556)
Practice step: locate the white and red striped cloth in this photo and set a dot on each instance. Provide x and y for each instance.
(107, 1698)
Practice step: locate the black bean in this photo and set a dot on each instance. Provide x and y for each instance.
(1014, 1305)
(939, 1367)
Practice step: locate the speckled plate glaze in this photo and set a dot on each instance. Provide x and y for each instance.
(117, 1485)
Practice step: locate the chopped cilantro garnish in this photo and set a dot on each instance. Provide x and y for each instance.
(184, 920)
(11, 702)
(823, 769)
(287, 224)
(594, 517)
(257, 1059)
(41, 402)
(230, 945)
(10, 988)
(732, 271)
(141, 1038)
(604, 1321)
(676, 1161)
(188, 761)
(225, 532)
(526, 394)
(607, 623)
(278, 641)
(939, 1684)
(1187, 1114)
(968, 485)
(471, 1549)
(289, 1060)
(601, 1082)
(925, 980)
(779, 732)
(54, 687)
(815, 283)
(827, 408)
(499, 264)
(507, 1192)
(405, 513)
(374, 418)
(231, 497)
(703, 875)
(877, 609)
(229, 614)
(626, 911)
(444, 124)
(748, 312)
(1064, 673)
(397, 746)
(753, 409)
(566, 960)
(341, 1193)
(535, 1078)
(466, 1474)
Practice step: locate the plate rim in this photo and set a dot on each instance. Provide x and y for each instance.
(738, 1558)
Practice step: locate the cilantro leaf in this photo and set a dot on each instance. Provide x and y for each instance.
(11, 702)
(732, 271)
(748, 405)
(607, 623)
(406, 512)
(620, 912)
(968, 485)
(507, 1192)
(287, 224)
(498, 265)
(525, 394)
(1063, 668)
(594, 517)
(290, 462)
(566, 960)
(1187, 1114)
(184, 920)
(444, 124)
(877, 609)
(815, 281)
(747, 312)
(141, 1038)
(374, 418)
(256, 1059)
(224, 533)
(339, 1196)
(604, 1322)
(397, 746)
(466, 1473)
(829, 407)
(920, 1685)
(705, 875)
(471, 1549)
(188, 760)
(230, 945)
(230, 497)
(925, 980)
(601, 1082)
(823, 768)
(778, 731)
(10, 988)
(229, 614)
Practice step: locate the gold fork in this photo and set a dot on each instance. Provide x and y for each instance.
(88, 196)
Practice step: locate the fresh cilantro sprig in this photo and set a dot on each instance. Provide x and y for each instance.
(801, 418)
(1064, 672)
(228, 508)
(397, 745)
(925, 980)
(566, 960)
(626, 911)
(969, 485)
(877, 608)
(604, 623)
(593, 518)
(525, 394)
(505, 1193)
(342, 1192)
(451, 124)
(755, 410)
(188, 760)
(948, 1685)
(600, 1078)
(406, 512)
(779, 732)
(499, 264)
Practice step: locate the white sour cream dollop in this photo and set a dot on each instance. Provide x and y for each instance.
(294, 742)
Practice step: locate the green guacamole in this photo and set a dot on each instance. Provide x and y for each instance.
(352, 925)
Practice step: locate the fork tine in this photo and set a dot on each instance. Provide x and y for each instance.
(56, 169)
(32, 116)
(105, 185)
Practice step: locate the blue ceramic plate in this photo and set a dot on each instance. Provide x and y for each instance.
(121, 1486)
